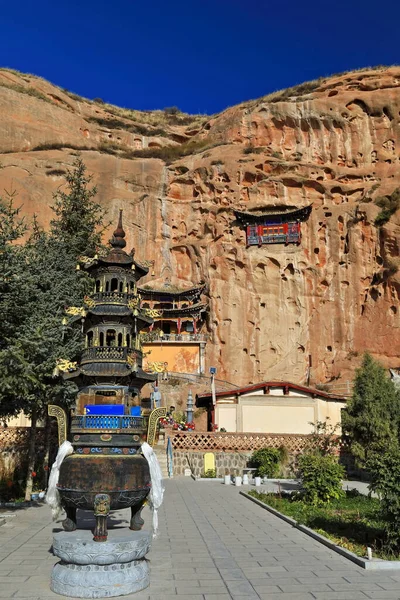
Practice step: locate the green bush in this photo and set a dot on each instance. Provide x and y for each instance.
(372, 416)
(324, 439)
(321, 478)
(388, 205)
(171, 110)
(384, 469)
(267, 461)
(209, 474)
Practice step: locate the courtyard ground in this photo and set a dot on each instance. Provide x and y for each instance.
(214, 544)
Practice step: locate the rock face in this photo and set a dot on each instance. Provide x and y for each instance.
(333, 143)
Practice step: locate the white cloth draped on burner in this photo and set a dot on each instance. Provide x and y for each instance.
(53, 496)
(157, 486)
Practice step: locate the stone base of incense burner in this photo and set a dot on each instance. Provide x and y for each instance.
(91, 570)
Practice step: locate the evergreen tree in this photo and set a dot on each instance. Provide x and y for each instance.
(12, 229)
(50, 283)
(78, 218)
(372, 417)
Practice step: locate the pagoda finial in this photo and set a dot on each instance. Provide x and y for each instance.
(117, 240)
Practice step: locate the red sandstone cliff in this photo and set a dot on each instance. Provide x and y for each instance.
(334, 144)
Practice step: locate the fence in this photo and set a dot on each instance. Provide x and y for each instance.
(236, 442)
(202, 380)
(342, 388)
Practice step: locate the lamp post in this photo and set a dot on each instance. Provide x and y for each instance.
(213, 371)
(189, 407)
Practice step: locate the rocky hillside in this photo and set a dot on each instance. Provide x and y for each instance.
(332, 143)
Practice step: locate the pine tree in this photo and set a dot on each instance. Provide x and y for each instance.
(12, 229)
(48, 281)
(372, 417)
(78, 218)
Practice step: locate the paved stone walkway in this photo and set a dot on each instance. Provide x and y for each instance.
(213, 545)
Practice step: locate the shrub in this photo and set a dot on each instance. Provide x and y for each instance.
(171, 110)
(371, 419)
(250, 149)
(324, 439)
(56, 172)
(384, 469)
(209, 474)
(267, 461)
(388, 205)
(171, 153)
(321, 478)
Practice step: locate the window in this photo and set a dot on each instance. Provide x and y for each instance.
(114, 284)
(128, 340)
(101, 338)
(98, 284)
(89, 338)
(110, 337)
(120, 339)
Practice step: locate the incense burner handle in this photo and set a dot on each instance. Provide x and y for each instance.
(56, 411)
(155, 414)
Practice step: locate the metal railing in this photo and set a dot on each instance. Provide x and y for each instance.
(105, 353)
(170, 458)
(115, 296)
(173, 337)
(221, 385)
(107, 422)
(342, 388)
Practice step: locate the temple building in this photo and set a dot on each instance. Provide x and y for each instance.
(176, 340)
(278, 407)
(275, 225)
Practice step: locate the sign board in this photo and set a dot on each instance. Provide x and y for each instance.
(213, 370)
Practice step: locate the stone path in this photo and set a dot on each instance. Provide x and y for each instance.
(213, 545)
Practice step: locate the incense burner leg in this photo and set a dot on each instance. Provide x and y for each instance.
(101, 512)
(69, 524)
(136, 520)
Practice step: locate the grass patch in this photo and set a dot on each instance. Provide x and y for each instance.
(114, 123)
(56, 172)
(29, 91)
(352, 522)
(250, 149)
(59, 146)
(171, 153)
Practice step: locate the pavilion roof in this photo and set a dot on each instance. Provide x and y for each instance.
(292, 212)
(204, 399)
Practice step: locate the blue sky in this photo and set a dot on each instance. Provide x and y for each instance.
(201, 56)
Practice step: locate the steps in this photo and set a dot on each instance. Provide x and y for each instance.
(161, 453)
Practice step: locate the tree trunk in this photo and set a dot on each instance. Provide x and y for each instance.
(31, 456)
(47, 442)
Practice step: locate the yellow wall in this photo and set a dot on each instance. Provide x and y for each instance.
(225, 416)
(277, 419)
(181, 358)
(20, 421)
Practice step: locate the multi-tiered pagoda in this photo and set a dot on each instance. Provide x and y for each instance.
(110, 370)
